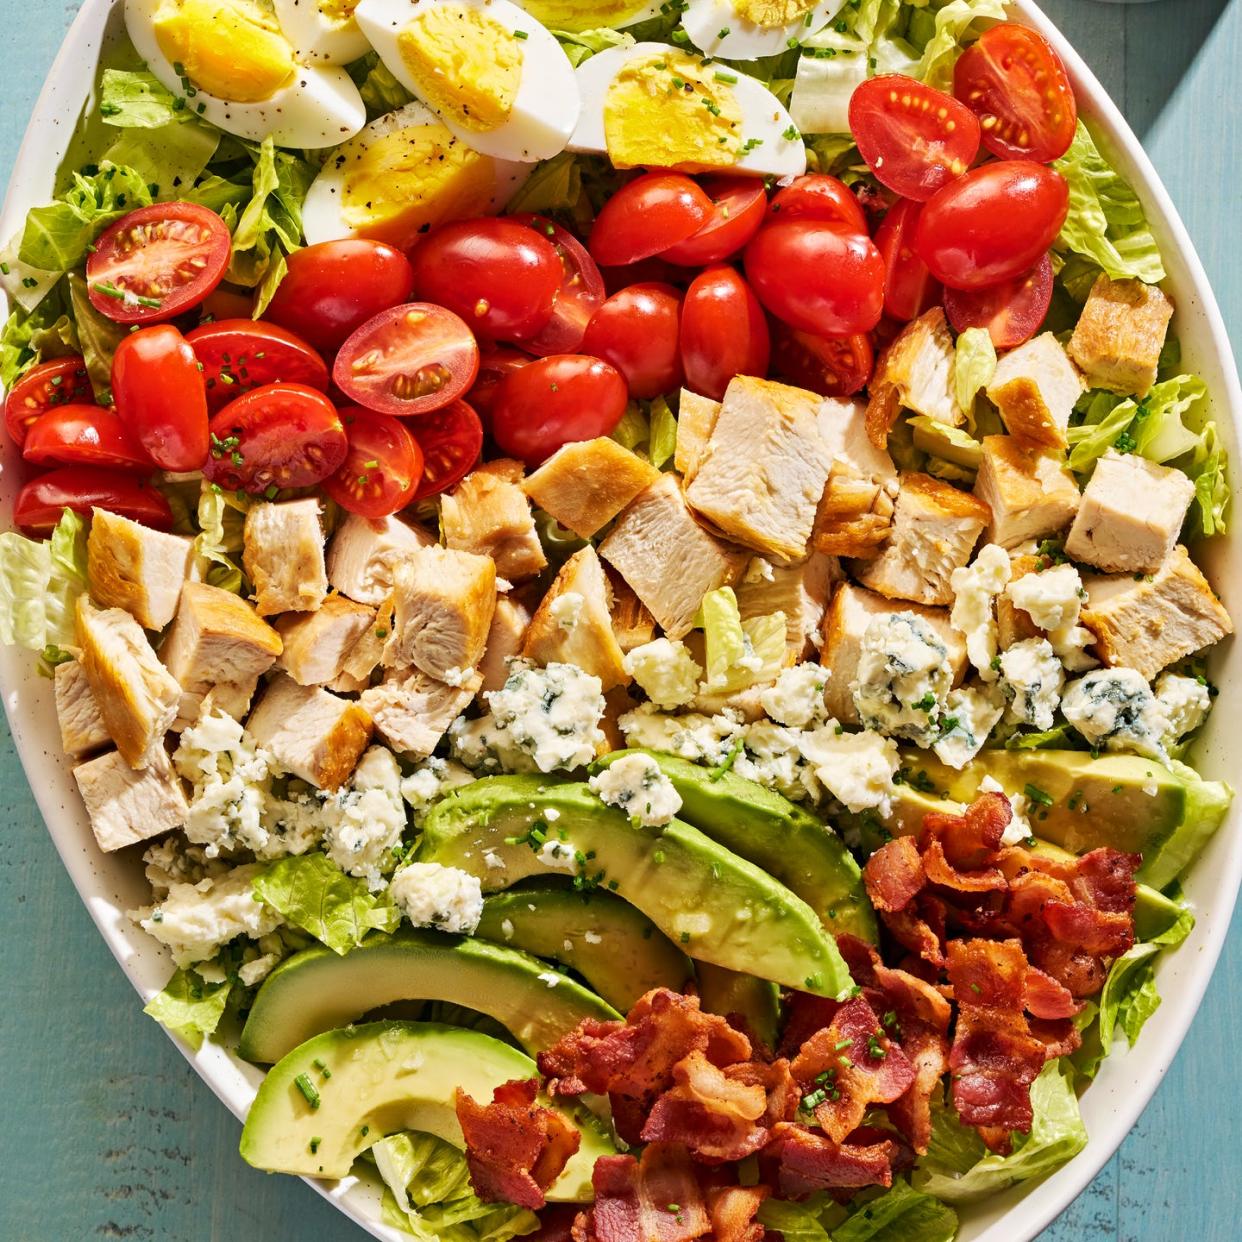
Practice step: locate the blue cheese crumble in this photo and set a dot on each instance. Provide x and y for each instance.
(1031, 678)
(903, 678)
(975, 589)
(636, 785)
(430, 895)
(797, 698)
(666, 671)
(1186, 702)
(971, 713)
(1114, 708)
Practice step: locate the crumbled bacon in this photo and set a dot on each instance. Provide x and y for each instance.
(515, 1148)
(1046, 997)
(894, 874)
(655, 1198)
(732, 1211)
(805, 1162)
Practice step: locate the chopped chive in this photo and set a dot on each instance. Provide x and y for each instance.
(521, 34)
(1035, 794)
(308, 1089)
(723, 32)
(721, 76)
(314, 1144)
(111, 291)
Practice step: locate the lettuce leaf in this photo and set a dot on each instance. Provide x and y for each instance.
(98, 338)
(975, 364)
(380, 91)
(959, 1169)
(953, 24)
(313, 893)
(189, 1007)
(662, 442)
(581, 45)
(1105, 417)
(136, 99)
(1106, 224)
(633, 429)
(30, 336)
(900, 1214)
(221, 520)
(40, 581)
(554, 185)
(795, 1222)
(725, 638)
(1163, 434)
(1208, 470)
(170, 158)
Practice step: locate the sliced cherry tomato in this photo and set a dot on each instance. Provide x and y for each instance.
(161, 397)
(278, 436)
(226, 302)
(1012, 79)
(834, 366)
(638, 331)
(59, 381)
(646, 217)
(382, 469)
(157, 262)
(84, 435)
(1011, 311)
(240, 354)
(451, 440)
(581, 293)
(500, 276)
(409, 360)
(723, 332)
(333, 288)
(554, 401)
(992, 224)
(738, 207)
(816, 277)
(41, 502)
(914, 138)
(909, 288)
(817, 196)
(495, 362)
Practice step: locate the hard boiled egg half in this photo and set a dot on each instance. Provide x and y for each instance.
(404, 174)
(322, 31)
(748, 29)
(655, 106)
(234, 66)
(578, 15)
(493, 74)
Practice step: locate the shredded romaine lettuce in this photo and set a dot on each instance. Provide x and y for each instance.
(135, 98)
(581, 45)
(555, 185)
(900, 1214)
(221, 524)
(190, 1007)
(380, 91)
(662, 442)
(725, 640)
(975, 364)
(40, 581)
(98, 338)
(952, 25)
(29, 336)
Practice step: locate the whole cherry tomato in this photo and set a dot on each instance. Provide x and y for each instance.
(382, 469)
(646, 217)
(83, 489)
(638, 330)
(59, 381)
(723, 332)
(1011, 311)
(738, 207)
(817, 196)
(909, 288)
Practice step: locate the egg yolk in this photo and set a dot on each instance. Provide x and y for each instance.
(338, 12)
(773, 12)
(671, 111)
(404, 183)
(467, 65)
(581, 14)
(229, 48)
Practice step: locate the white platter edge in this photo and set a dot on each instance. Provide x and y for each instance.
(110, 885)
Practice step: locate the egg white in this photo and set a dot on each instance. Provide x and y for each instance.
(546, 108)
(588, 16)
(322, 106)
(764, 116)
(703, 21)
(316, 38)
(323, 211)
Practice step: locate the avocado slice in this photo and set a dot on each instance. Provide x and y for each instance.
(717, 906)
(763, 827)
(617, 949)
(758, 1001)
(375, 1080)
(317, 990)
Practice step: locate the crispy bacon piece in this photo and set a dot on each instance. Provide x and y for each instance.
(848, 1066)
(806, 1161)
(970, 841)
(894, 874)
(732, 1211)
(1059, 1036)
(1045, 997)
(515, 1148)
(652, 1199)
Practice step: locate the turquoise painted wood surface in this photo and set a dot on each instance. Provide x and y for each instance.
(105, 1133)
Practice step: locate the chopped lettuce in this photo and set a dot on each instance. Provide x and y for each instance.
(975, 364)
(136, 99)
(952, 25)
(1105, 417)
(314, 894)
(40, 581)
(221, 522)
(45, 331)
(170, 159)
(580, 45)
(190, 1007)
(832, 65)
(554, 185)
(1106, 224)
(662, 440)
(98, 338)
(765, 648)
(634, 428)
(1163, 434)
(900, 1214)
(1208, 470)
(725, 640)
(380, 91)
(959, 1169)
(800, 1222)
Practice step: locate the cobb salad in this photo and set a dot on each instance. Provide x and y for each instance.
(628, 574)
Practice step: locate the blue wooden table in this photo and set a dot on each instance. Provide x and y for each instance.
(105, 1133)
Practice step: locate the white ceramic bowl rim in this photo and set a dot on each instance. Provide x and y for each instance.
(111, 885)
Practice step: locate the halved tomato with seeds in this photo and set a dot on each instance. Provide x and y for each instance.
(59, 381)
(451, 440)
(382, 468)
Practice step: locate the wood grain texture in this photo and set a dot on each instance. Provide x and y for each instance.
(105, 1131)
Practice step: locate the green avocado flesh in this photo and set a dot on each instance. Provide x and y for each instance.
(367, 1082)
(726, 992)
(614, 947)
(763, 827)
(1167, 814)
(318, 990)
(717, 906)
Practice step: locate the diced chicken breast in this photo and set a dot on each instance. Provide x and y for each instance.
(696, 420)
(283, 556)
(584, 485)
(935, 529)
(504, 642)
(412, 711)
(443, 606)
(487, 513)
(126, 806)
(1131, 513)
(1035, 387)
(136, 568)
(137, 695)
(849, 614)
(366, 654)
(217, 643)
(855, 514)
(312, 733)
(573, 624)
(82, 727)
(918, 371)
(800, 591)
(1150, 622)
(843, 428)
(1120, 334)
(362, 553)
(1029, 490)
(632, 621)
(318, 645)
(765, 468)
(1013, 624)
(668, 560)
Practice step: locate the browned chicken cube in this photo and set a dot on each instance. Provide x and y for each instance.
(284, 558)
(412, 711)
(136, 568)
(584, 485)
(917, 371)
(318, 645)
(1120, 334)
(487, 513)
